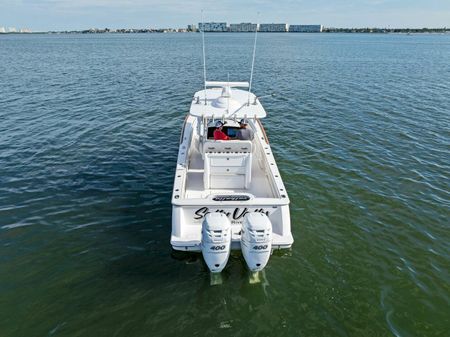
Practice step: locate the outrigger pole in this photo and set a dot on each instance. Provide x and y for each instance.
(253, 61)
(204, 57)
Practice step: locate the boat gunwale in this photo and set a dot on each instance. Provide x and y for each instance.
(252, 202)
(181, 171)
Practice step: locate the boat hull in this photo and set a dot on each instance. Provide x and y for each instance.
(187, 224)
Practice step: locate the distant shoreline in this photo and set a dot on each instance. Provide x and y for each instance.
(324, 31)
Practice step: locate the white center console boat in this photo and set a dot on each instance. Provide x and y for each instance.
(228, 194)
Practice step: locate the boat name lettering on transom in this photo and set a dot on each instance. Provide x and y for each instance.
(237, 214)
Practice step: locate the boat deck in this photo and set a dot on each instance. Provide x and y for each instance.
(260, 185)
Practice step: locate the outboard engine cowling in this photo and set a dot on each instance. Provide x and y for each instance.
(256, 240)
(216, 241)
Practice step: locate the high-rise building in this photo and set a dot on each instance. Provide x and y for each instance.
(305, 28)
(191, 28)
(243, 27)
(213, 26)
(273, 27)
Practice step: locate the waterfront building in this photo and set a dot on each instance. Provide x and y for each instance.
(2, 30)
(273, 27)
(213, 26)
(12, 30)
(191, 28)
(305, 28)
(243, 27)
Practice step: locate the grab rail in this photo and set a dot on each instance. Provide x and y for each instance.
(182, 129)
(263, 130)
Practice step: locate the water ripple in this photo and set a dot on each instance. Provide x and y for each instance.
(88, 141)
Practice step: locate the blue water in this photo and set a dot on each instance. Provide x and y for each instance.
(89, 130)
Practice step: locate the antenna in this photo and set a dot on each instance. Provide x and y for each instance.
(204, 57)
(228, 99)
(253, 60)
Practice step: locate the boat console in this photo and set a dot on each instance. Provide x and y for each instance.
(230, 131)
(227, 164)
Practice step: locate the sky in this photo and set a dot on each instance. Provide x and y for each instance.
(43, 15)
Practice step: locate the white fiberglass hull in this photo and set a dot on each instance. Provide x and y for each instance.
(187, 224)
(233, 177)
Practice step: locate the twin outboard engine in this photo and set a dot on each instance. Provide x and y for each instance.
(256, 240)
(216, 241)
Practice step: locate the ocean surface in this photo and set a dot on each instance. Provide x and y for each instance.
(89, 131)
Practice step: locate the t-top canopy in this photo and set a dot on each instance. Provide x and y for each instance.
(226, 102)
(227, 84)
